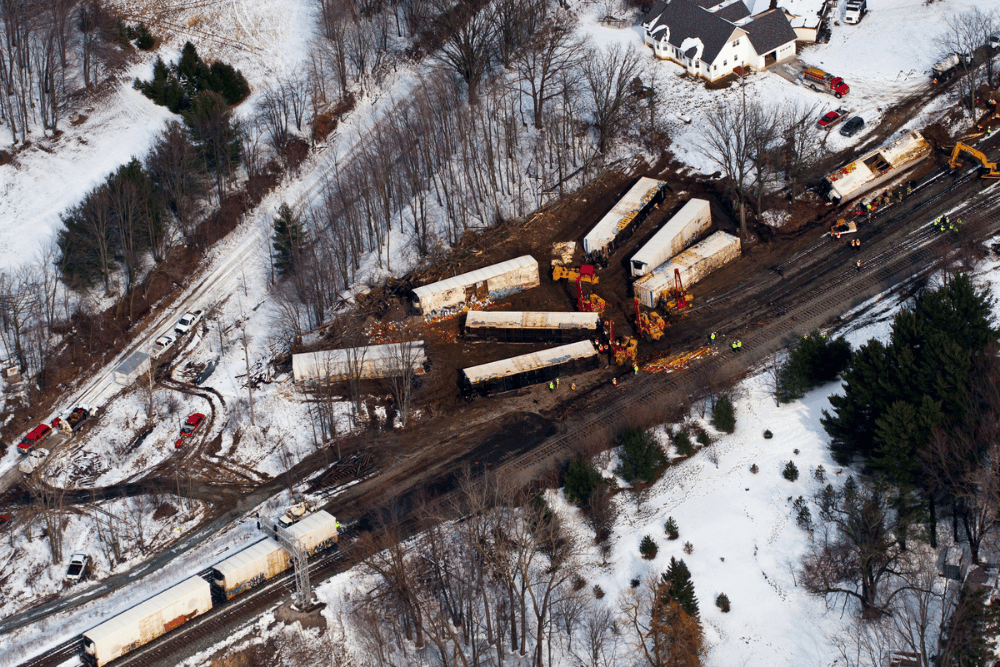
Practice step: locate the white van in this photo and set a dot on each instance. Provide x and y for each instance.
(855, 10)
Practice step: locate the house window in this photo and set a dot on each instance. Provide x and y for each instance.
(736, 43)
(725, 62)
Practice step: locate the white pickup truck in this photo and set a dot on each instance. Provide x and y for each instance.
(187, 322)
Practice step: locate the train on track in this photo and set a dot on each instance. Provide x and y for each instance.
(237, 574)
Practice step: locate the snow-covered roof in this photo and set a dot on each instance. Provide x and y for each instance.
(608, 227)
(901, 151)
(533, 361)
(477, 276)
(532, 320)
(692, 27)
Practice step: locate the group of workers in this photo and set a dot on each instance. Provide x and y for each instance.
(554, 384)
(736, 345)
(943, 224)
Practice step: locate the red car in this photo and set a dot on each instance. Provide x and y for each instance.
(192, 423)
(35, 436)
(4, 520)
(831, 119)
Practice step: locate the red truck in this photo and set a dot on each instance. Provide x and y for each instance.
(817, 79)
(35, 436)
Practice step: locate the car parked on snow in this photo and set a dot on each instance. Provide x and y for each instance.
(4, 520)
(832, 118)
(852, 127)
(34, 437)
(77, 567)
(188, 429)
(161, 345)
(187, 322)
(994, 41)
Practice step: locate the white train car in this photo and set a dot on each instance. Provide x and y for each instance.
(624, 216)
(531, 327)
(490, 283)
(376, 361)
(146, 621)
(873, 169)
(250, 568)
(529, 369)
(316, 531)
(694, 263)
(693, 220)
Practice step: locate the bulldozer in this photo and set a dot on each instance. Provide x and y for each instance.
(625, 348)
(584, 274)
(650, 325)
(676, 298)
(988, 169)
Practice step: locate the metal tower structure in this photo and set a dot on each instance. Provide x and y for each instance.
(300, 560)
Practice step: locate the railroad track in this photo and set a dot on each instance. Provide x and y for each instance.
(897, 263)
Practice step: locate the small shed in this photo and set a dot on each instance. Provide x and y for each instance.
(375, 361)
(135, 365)
(481, 286)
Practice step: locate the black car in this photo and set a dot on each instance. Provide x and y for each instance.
(852, 126)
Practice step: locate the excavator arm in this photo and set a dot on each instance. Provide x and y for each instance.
(989, 168)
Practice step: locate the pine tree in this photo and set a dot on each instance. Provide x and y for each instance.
(970, 638)
(902, 432)
(580, 481)
(961, 312)
(679, 587)
(288, 240)
(641, 456)
(866, 395)
(724, 415)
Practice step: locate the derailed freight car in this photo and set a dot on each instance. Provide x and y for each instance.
(372, 362)
(693, 220)
(625, 216)
(267, 559)
(694, 263)
(531, 327)
(146, 621)
(873, 169)
(489, 283)
(529, 369)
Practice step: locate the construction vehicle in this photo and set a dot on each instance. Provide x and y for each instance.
(843, 227)
(989, 169)
(949, 66)
(585, 273)
(625, 348)
(676, 298)
(650, 325)
(588, 304)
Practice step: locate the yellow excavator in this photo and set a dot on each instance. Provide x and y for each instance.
(650, 325)
(584, 274)
(989, 169)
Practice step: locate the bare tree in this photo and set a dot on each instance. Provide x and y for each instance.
(764, 130)
(514, 24)
(728, 142)
(857, 554)
(966, 32)
(608, 75)
(402, 374)
(800, 148)
(542, 61)
(468, 44)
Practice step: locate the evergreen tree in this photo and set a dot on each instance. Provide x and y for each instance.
(902, 432)
(962, 313)
(679, 587)
(970, 637)
(288, 240)
(641, 456)
(852, 426)
(815, 360)
(724, 415)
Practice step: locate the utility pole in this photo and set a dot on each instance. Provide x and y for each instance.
(300, 559)
(246, 356)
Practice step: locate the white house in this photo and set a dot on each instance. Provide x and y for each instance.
(712, 38)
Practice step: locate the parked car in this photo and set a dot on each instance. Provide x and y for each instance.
(77, 567)
(34, 437)
(192, 423)
(4, 520)
(187, 322)
(831, 119)
(853, 126)
(994, 41)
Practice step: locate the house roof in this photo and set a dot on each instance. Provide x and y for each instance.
(769, 30)
(686, 21)
(733, 12)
